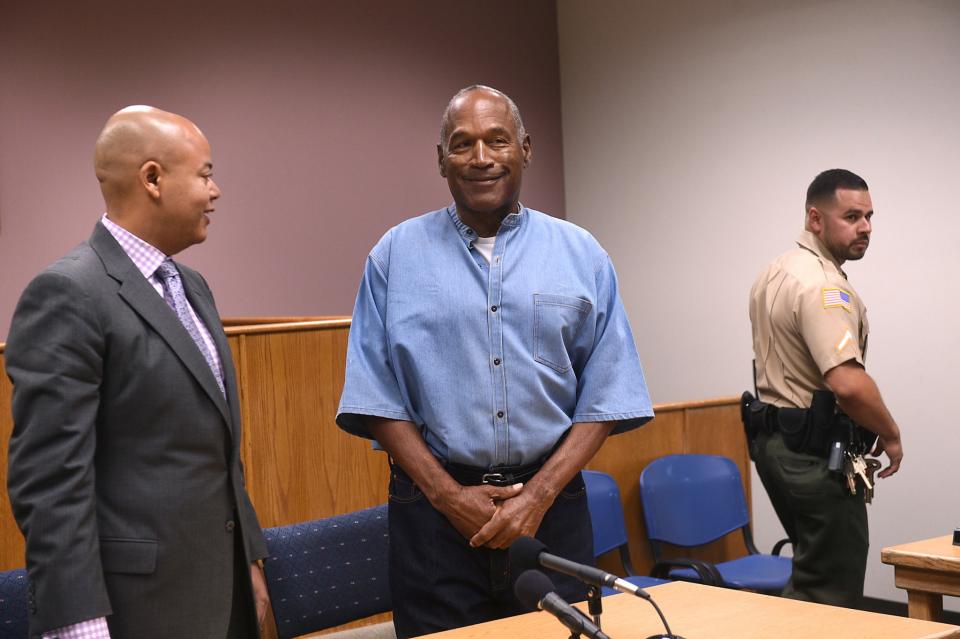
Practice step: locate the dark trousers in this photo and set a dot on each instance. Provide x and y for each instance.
(827, 525)
(438, 582)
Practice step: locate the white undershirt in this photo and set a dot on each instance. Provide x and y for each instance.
(484, 246)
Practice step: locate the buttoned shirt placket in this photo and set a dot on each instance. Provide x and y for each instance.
(495, 311)
(495, 319)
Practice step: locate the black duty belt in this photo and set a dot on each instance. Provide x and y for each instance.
(495, 476)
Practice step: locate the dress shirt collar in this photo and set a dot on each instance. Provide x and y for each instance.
(144, 255)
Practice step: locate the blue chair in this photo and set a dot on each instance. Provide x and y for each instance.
(692, 500)
(328, 572)
(13, 604)
(609, 529)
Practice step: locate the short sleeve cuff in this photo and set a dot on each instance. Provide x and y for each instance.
(626, 421)
(351, 418)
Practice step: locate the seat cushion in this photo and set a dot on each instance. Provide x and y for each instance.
(768, 573)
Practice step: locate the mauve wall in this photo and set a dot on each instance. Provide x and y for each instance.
(323, 118)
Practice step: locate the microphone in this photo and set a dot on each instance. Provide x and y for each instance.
(527, 553)
(535, 591)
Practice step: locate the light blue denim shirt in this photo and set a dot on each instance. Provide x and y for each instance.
(494, 362)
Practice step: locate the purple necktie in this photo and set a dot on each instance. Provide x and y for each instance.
(173, 293)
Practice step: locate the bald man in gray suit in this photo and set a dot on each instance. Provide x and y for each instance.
(124, 469)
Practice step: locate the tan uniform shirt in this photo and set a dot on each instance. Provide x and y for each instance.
(806, 320)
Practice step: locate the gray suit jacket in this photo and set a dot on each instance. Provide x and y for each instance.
(124, 467)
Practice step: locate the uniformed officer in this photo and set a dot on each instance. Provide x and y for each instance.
(809, 334)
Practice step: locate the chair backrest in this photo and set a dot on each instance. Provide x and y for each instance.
(327, 572)
(606, 512)
(13, 604)
(691, 500)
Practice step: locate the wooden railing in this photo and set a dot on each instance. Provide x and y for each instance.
(301, 466)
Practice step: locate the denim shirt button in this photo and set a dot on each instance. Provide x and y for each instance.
(496, 362)
(493, 309)
(500, 414)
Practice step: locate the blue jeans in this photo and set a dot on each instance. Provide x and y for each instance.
(438, 582)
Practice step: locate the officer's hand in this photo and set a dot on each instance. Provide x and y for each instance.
(471, 507)
(516, 517)
(894, 450)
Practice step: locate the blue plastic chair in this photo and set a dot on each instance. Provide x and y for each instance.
(327, 572)
(13, 604)
(609, 529)
(692, 500)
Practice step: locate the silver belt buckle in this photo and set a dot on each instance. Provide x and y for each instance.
(489, 477)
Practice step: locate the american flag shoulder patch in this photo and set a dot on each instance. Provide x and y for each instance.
(836, 298)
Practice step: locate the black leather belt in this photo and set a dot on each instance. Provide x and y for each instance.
(495, 476)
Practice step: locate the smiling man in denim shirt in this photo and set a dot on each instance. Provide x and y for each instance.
(490, 356)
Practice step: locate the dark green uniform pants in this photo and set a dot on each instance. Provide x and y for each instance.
(827, 525)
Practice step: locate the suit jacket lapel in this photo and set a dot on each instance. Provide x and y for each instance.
(207, 312)
(143, 298)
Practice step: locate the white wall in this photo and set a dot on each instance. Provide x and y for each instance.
(691, 130)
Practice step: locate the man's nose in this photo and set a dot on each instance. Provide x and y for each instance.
(214, 190)
(481, 154)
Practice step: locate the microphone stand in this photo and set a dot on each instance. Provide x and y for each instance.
(594, 604)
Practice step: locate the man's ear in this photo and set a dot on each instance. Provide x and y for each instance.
(443, 171)
(814, 220)
(527, 151)
(150, 175)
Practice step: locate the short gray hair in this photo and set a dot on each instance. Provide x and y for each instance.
(514, 112)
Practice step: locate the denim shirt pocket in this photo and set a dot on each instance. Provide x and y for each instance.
(556, 321)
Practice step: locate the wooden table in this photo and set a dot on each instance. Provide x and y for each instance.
(704, 612)
(927, 570)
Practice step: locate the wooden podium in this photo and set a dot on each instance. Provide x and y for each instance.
(704, 612)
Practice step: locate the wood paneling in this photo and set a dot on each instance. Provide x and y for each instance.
(250, 321)
(300, 466)
(11, 541)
